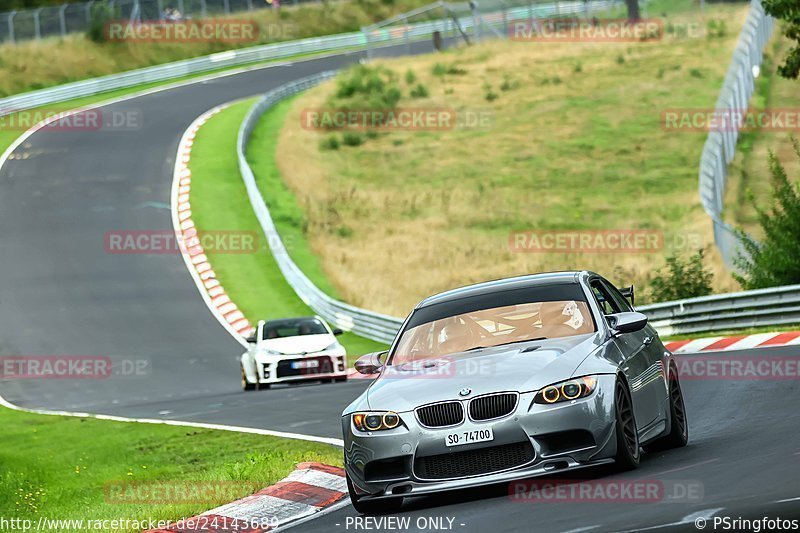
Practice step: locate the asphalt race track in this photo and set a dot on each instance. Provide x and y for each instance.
(61, 293)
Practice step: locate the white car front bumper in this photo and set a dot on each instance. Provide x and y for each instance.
(288, 368)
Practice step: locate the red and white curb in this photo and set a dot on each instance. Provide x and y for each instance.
(740, 342)
(308, 490)
(196, 260)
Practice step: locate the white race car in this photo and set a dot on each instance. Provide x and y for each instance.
(291, 350)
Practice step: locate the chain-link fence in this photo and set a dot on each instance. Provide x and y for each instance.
(58, 21)
(720, 147)
(445, 24)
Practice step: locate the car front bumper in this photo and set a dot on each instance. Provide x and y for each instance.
(288, 368)
(564, 436)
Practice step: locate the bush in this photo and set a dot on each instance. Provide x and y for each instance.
(716, 29)
(774, 260)
(352, 138)
(410, 77)
(377, 86)
(419, 91)
(682, 279)
(508, 84)
(331, 142)
(99, 15)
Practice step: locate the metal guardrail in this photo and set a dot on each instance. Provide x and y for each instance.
(365, 323)
(243, 56)
(720, 147)
(721, 312)
(764, 307)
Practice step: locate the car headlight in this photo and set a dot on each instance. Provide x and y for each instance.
(267, 351)
(333, 346)
(567, 391)
(371, 421)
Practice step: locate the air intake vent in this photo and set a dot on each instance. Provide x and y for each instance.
(441, 414)
(474, 462)
(493, 406)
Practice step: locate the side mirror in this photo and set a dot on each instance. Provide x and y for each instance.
(627, 322)
(251, 339)
(337, 332)
(628, 293)
(370, 364)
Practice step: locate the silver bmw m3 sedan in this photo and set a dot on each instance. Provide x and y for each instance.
(506, 380)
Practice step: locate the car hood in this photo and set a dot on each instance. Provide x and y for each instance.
(300, 344)
(522, 367)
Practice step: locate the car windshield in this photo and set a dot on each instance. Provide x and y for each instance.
(293, 327)
(477, 323)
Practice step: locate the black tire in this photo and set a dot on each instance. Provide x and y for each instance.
(341, 379)
(246, 385)
(628, 452)
(678, 435)
(375, 507)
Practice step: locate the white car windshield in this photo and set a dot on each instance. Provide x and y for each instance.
(293, 327)
(480, 328)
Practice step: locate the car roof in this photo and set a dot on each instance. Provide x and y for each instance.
(519, 282)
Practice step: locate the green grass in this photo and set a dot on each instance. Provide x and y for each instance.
(60, 467)
(219, 202)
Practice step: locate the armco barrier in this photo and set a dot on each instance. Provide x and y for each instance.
(765, 307)
(258, 54)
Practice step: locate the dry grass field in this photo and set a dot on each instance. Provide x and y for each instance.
(575, 142)
(37, 64)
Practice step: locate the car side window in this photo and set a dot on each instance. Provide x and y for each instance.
(604, 299)
(617, 296)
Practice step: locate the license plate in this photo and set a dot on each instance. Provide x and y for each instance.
(312, 363)
(469, 437)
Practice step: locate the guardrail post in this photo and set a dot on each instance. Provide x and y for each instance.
(11, 26)
(181, 8)
(88, 12)
(249, 5)
(203, 9)
(62, 19)
(407, 35)
(227, 6)
(37, 25)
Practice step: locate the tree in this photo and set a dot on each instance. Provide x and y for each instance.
(775, 260)
(633, 10)
(789, 12)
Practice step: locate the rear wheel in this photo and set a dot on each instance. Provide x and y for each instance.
(374, 507)
(678, 435)
(628, 452)
(246, 385)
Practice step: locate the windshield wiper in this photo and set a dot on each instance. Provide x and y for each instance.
(505, 344)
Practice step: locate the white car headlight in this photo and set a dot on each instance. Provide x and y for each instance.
(334, 346)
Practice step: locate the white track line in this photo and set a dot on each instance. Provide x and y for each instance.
(201, 425)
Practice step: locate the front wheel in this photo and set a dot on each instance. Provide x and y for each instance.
(246, 385)
(374, 507)
(628, 452)
(678, 435)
